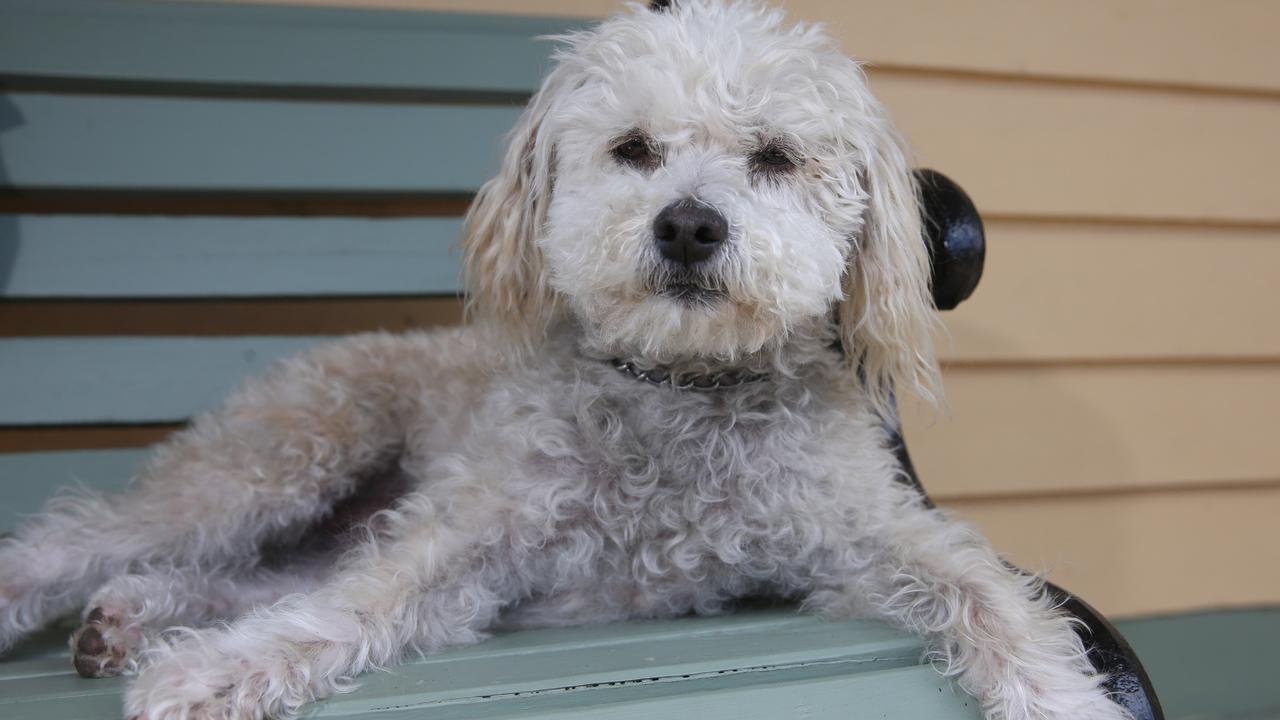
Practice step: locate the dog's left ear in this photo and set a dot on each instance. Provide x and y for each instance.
(888, 316)
(505, 272)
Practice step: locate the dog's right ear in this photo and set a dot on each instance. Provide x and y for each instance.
(505, 271)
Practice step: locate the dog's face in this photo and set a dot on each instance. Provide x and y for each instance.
(701, 181)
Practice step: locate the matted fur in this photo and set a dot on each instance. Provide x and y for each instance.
(539, 486)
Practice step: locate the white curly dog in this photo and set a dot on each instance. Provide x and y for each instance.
(694, 285)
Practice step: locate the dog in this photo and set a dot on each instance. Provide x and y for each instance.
(695, 285)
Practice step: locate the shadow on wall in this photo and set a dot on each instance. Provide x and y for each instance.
(10, 118)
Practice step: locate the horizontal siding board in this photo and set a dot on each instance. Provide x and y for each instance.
(1051, 291)
(27, 480)
(1098, 292)
(127, 380)
(1014, 146)
(624, 670)
(79, 256)
(1032, 149)
(1164, 42)
(290, 47)
(126, 142)
(1068, 429)
(1016, 430)
(1156, 552)
(1148, 41)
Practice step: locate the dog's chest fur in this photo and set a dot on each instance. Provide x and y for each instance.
(656, 501)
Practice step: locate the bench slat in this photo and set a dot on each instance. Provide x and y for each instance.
(584, 656)
(27, 480)
(751, 664)
(127, 380)
(1214, 664)
(84, 256)
(126, 142)
(265, 45)
(816, 692)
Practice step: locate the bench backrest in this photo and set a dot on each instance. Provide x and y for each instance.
(192, 190)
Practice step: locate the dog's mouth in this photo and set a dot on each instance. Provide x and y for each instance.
(687, 288)
(691, 293)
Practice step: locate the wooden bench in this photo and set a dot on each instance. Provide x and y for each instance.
(190, 191)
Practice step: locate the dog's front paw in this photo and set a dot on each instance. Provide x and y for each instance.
(1083, 704)
(1102, 707)
(105, 646)
(207, 676)
(192, 681)
(184, 686)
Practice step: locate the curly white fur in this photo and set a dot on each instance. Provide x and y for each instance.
(544, 487)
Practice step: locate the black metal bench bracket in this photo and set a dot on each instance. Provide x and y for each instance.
(957, 251)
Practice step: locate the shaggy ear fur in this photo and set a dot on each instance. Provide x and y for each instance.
(505, 273)
(887, 317)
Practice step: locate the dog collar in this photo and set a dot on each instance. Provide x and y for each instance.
(688, 381)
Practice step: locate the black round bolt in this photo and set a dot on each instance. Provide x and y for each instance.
(688, 232)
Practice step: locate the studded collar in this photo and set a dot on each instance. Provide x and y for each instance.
(687, 381)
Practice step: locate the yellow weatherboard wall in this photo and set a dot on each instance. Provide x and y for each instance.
(1114, 384)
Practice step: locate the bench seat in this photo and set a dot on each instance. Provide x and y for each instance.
(759, 663)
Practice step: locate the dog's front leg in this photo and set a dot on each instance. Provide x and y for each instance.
(432, 581)
(124, 615)
(990, 626)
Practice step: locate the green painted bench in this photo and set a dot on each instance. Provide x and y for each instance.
(767, 663)
(158, 160)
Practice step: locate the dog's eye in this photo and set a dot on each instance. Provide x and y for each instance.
(772, 158)
(635, 150)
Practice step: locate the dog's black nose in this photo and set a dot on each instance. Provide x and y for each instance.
(689, 232)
